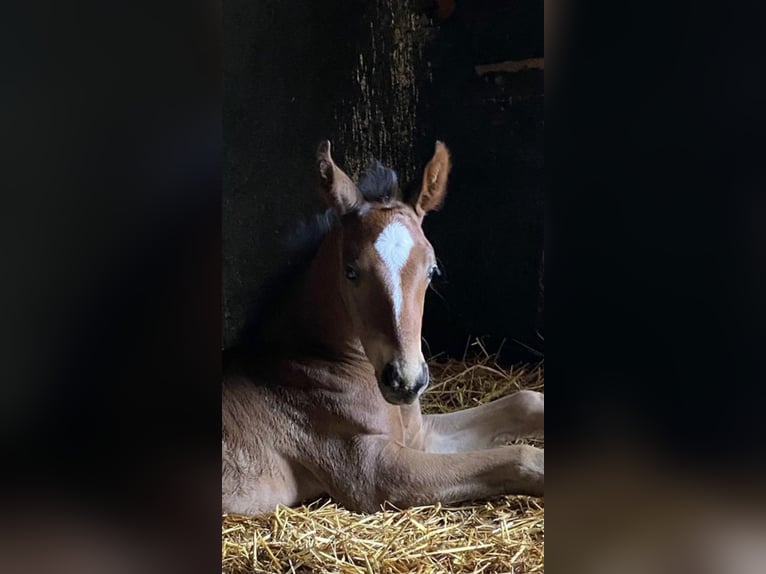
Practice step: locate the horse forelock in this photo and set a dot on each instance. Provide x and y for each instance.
(379, 183)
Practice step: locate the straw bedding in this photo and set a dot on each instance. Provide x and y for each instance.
(504, 535)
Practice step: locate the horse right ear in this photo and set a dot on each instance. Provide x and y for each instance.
(336, 188)
(431, 194)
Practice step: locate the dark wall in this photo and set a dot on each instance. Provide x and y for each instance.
(385, 79)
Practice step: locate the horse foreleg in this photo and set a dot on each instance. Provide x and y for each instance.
(487, 426)
(407, 477)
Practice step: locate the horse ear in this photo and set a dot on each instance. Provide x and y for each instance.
(336, 188)
(434, 189)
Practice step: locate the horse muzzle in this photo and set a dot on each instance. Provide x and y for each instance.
(399, 387)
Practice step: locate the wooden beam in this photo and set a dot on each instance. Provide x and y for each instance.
(512, 66)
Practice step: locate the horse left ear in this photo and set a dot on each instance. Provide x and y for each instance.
(336, 188)
(434, 188)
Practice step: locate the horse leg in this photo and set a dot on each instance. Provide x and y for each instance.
(487, 426)
(407, 477)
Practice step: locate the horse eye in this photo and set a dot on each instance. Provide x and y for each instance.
(434, 271)
(351, 273)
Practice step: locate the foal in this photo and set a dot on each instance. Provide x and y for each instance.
(329, 403)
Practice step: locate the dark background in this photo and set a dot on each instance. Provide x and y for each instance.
(385, 79)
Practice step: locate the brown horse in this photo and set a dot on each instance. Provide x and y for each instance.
(328, 405)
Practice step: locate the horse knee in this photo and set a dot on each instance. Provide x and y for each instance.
(531, 407)
(530, 402)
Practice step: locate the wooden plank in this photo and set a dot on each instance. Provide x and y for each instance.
(512, 66)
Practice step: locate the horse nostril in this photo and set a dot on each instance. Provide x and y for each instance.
(390, 376)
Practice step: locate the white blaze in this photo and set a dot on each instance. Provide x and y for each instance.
(394, 245)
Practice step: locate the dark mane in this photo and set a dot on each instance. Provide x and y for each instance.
(300, 248)
(377, 184)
